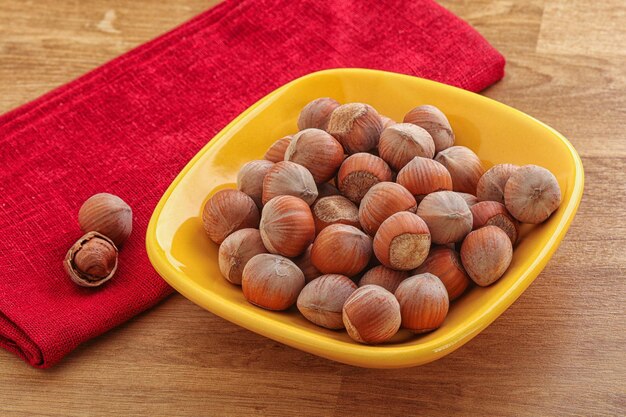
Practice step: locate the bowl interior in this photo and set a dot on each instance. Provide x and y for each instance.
(186, 258)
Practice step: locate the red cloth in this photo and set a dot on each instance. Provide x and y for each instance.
(130, 126)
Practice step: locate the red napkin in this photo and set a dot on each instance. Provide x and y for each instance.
(130, 126)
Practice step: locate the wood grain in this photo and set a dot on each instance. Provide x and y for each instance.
(559, 350)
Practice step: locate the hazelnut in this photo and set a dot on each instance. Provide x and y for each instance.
(532, 194)
(287, 226)
(335, 209)
(469, 198)
(356, 126)
(384, 277)
(423, 176)
(250, 179)
(326, 189)
(359, 172)
(316, 114)
(490, 186)
(107, 214)
(276, 151)
(402, 241)
(341, 249)
(423, 303)
(306, 266)
(486, 254)
(493, 213)
(402, 142)
(271, 282)
(448, 217)
(321, 300)
(235, 252)
(435, 122)
(92, 260)
(445, 264)
(464, 167)
(371, 315)
(317, 151)
(289, 178)
(381, 201)
(386, 121)
(228, 211)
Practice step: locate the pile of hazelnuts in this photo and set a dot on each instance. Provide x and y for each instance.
(369, 224)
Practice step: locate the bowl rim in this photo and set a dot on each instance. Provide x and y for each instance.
(387, 356)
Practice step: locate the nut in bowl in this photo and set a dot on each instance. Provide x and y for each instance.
(187, 259)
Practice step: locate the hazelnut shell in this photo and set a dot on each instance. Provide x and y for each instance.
(381, 201)
(107, 214)
(436, 124)
(317, 151)
(359, 173)
(321, 300)
(464, 166)
(341, 249)
(371, 315)
(271, 282)
(287, 227)
(276, 151)
(486, 254)
(92, 260)
(289, 178)
(448, 217)
(384, 277)
(228, 211)
(402, 241)
(423, 303)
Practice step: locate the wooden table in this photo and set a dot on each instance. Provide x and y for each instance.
(559, 350)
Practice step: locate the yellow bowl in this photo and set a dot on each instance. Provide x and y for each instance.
(183, 255)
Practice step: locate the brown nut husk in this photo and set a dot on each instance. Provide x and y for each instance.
(107, 214)
(490, 187)
(435, 122)
(92, 260)
(402, 142)
(316, 113)
(317, 151)
(532, 194)
(356, 126)
(321, 300)
(464, 166)
(359, 173)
